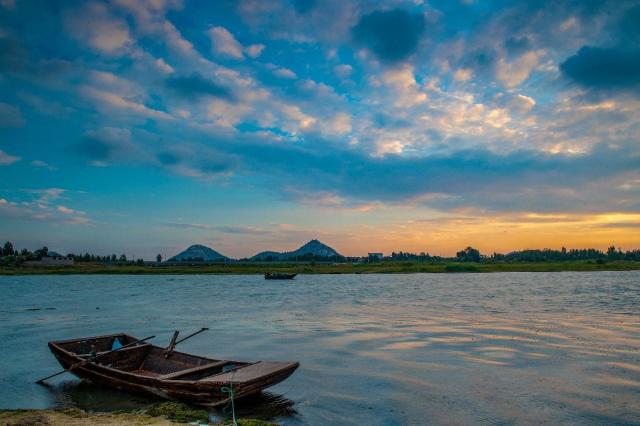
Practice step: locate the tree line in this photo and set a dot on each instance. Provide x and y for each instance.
(471, 254)
(12, 256)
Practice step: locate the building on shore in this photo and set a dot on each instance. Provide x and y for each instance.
(51, 261)
(376, 256)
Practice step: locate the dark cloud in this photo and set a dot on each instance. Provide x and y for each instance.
(604, 67)
(481, 61)
(95, 149)
(199, 161)
(521, 180)
(108, 144)
(195, 86)
(391, 35)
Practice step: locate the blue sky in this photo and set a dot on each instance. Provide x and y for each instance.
(144, 126)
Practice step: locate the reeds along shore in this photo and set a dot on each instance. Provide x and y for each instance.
(328, 268)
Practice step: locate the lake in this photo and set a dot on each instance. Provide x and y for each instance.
(501, 348)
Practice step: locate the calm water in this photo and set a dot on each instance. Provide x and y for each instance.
(512, 348)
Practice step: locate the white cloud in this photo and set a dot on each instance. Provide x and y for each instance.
(525, 103)
(293, 112)
(569, 24)
(341, 123)
(69, 211)
(6, 159)
(463, 74)
(406, 90)
(223, 42)
(498, 117)
(343, 70)
(107, 99)
(94, 25)
(42, 165)
(284, 72)
(255, 50)
(388, 147)
(512, 74)
(163, 66)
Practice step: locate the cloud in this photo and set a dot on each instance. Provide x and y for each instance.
(254, 50)
(515, 72)
(282, 72)
(68, 211)
(343, 70)
(43, 209)
(341, 123)
(406, 91)
(227, 229)
(6, 159)
(604, 67)
(42, 165)
(163, 66)
(224, 43)
(392, 35)
(10, 116)
(519, 180)
(197, 162)
(195, 86)
(107, 144)
(106, 99)
(94, 25)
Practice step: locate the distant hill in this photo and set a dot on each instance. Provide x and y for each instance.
(313, 248)
(198, 253)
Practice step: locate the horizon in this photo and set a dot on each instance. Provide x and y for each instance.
(247, 126)
(282, 251)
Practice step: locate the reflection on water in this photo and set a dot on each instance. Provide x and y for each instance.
(374, 349)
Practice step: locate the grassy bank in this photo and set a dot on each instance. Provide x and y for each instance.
(325, 268)
(164, 414)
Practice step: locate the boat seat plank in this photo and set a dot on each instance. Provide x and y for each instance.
(250, 372)
(188, 371)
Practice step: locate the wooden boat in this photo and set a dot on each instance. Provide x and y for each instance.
(143, 368)
(278, 276)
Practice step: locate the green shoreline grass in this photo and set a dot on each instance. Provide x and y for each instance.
(322, 268)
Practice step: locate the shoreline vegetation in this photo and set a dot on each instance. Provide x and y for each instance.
(386, 267)
(165, 414)
(315, 257)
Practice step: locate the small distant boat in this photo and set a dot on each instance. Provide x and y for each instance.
(278, 276)
(145, 368)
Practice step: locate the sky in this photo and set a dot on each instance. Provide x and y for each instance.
(143, 126)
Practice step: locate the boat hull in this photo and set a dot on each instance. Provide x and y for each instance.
(205, 392)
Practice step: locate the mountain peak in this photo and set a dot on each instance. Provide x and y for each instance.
(198, 253)
(314, 247)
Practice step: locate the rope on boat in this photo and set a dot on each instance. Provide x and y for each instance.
(229, 390)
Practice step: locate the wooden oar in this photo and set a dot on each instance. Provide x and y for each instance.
(173, 344)
(41, 381)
